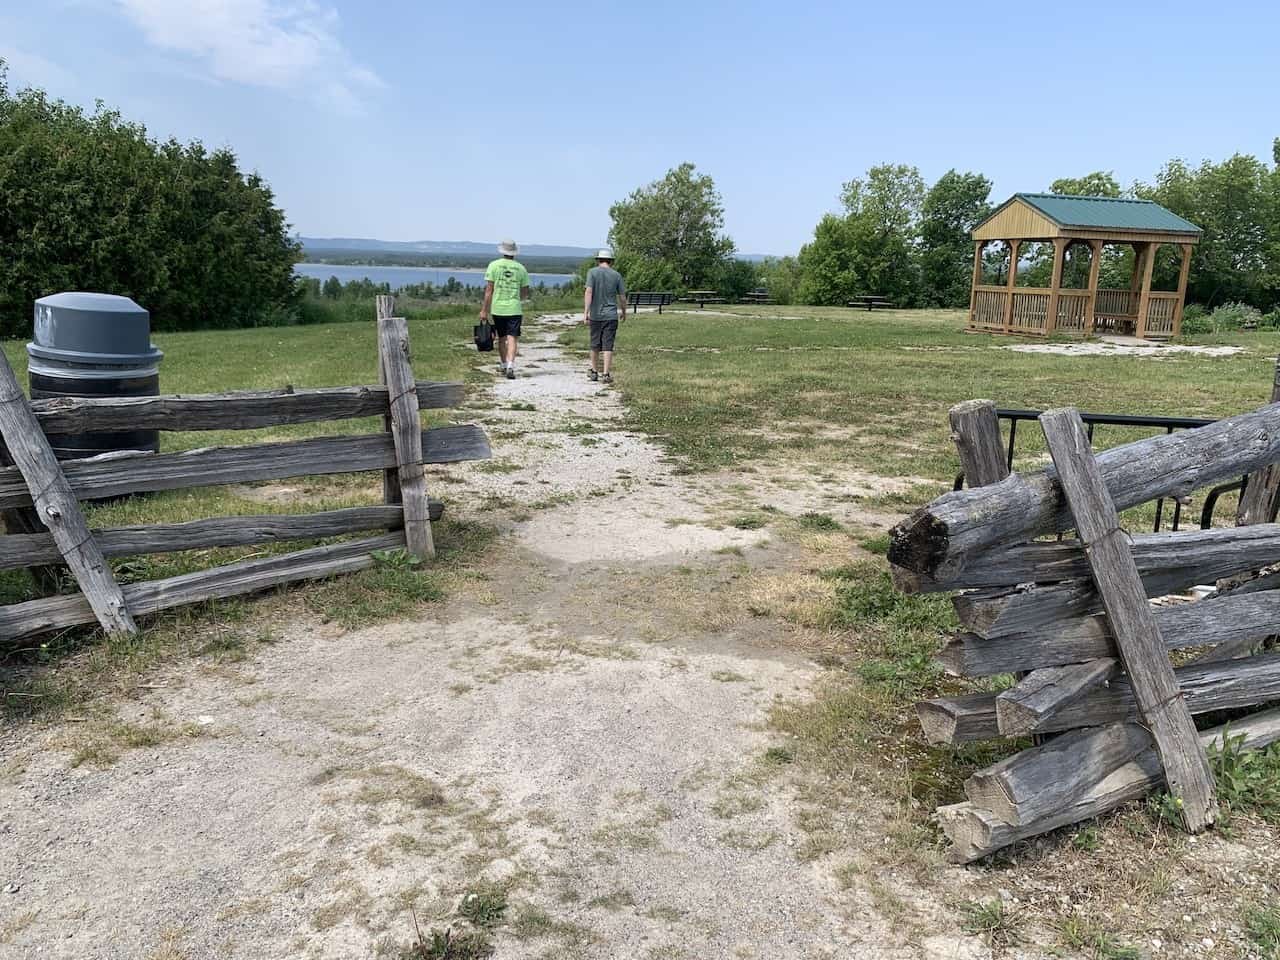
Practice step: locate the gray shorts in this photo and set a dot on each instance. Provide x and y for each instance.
(602, 334)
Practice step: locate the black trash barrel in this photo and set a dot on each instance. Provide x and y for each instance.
(94, 345)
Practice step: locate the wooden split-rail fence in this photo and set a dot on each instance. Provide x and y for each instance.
(45, 525)
(1107, 683)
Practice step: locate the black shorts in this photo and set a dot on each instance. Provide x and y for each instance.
(602, 334)
(507, 326)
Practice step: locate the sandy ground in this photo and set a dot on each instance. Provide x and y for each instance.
(553, 730)
(1109, 346)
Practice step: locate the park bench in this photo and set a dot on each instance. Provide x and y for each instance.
(757, 296)
(702, 297)
(869, 302)
(651, 298)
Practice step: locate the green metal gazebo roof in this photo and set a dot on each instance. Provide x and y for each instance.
(1107, 213)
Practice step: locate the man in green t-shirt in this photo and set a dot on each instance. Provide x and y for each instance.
(506, 284)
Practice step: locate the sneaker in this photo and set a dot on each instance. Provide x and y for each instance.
(511, 373)
(606, 378)
(592, 376)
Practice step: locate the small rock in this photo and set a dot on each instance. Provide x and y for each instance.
(11, 888)
(204, 720)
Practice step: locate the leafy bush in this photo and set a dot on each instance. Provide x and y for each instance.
(91, 202)
(1234, 316)
(1270, 321)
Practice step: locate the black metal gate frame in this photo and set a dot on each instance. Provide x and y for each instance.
(1168, 424)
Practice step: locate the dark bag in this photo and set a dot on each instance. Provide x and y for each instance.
(484, 336)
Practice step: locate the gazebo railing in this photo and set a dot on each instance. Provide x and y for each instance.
(1114, 311)
(1161, 308)
(1073, 309)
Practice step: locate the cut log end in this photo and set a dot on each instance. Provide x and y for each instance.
(919, 544)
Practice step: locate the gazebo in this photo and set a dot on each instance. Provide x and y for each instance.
(1066, 222)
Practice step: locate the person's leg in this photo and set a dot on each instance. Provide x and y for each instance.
(607, 335)
(596, 333)
(513, 347)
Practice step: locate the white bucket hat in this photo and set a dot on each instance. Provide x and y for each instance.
(508, 248)
(605, 253)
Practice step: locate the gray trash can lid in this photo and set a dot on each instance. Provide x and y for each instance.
(92, 328)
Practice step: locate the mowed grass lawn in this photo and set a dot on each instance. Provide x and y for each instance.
(870, 391)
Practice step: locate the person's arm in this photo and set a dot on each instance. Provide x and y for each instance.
(622, 306)
(524, 292)
(586, 305)
(488, 300)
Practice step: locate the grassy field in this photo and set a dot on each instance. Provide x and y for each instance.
(871, 390)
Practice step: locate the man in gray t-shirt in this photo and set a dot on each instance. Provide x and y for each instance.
(604, 303)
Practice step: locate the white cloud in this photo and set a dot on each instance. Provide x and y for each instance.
(287, 45)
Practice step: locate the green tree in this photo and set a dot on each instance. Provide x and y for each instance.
(1237, 204)
(1097, 184)
(89, 202)
(677, 221)
(873, 247)
(736, 277)
(332, 288)
(829, 271)
(781, 277)
(954, 205)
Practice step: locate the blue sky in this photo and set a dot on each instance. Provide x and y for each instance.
(455, 121)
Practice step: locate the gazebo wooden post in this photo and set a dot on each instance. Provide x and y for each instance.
(1182, 288)
(1055, 285)
(1095, 263)
(977, 279)
(1013, 278)
(1144, 297)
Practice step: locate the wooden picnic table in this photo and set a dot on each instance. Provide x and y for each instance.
(870, 302)
(702, 297)
(757, 296)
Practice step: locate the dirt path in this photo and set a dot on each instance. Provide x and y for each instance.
(589, 726)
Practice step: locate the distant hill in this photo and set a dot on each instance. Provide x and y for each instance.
(468, 248)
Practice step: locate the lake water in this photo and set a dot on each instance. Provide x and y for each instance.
(402, 276)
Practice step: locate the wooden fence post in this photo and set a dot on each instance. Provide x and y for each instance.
(384, 306)
(1155, 688)
(1261, 492)
(56, 505)
(406, 430)
(975, 430)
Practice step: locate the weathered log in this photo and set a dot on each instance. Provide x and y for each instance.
(236, 410)
(1025, 707)
(993, 613)
(116, 474)
(24, 550)
(1261, 494)
(1228, 618)
(383, 306)
(33, 617)
(976, 832)
(56, 506)
(964, 522)
(406, 430)
(1226, 685)
(1167, 561)
(1036, 783)
(975, 430)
